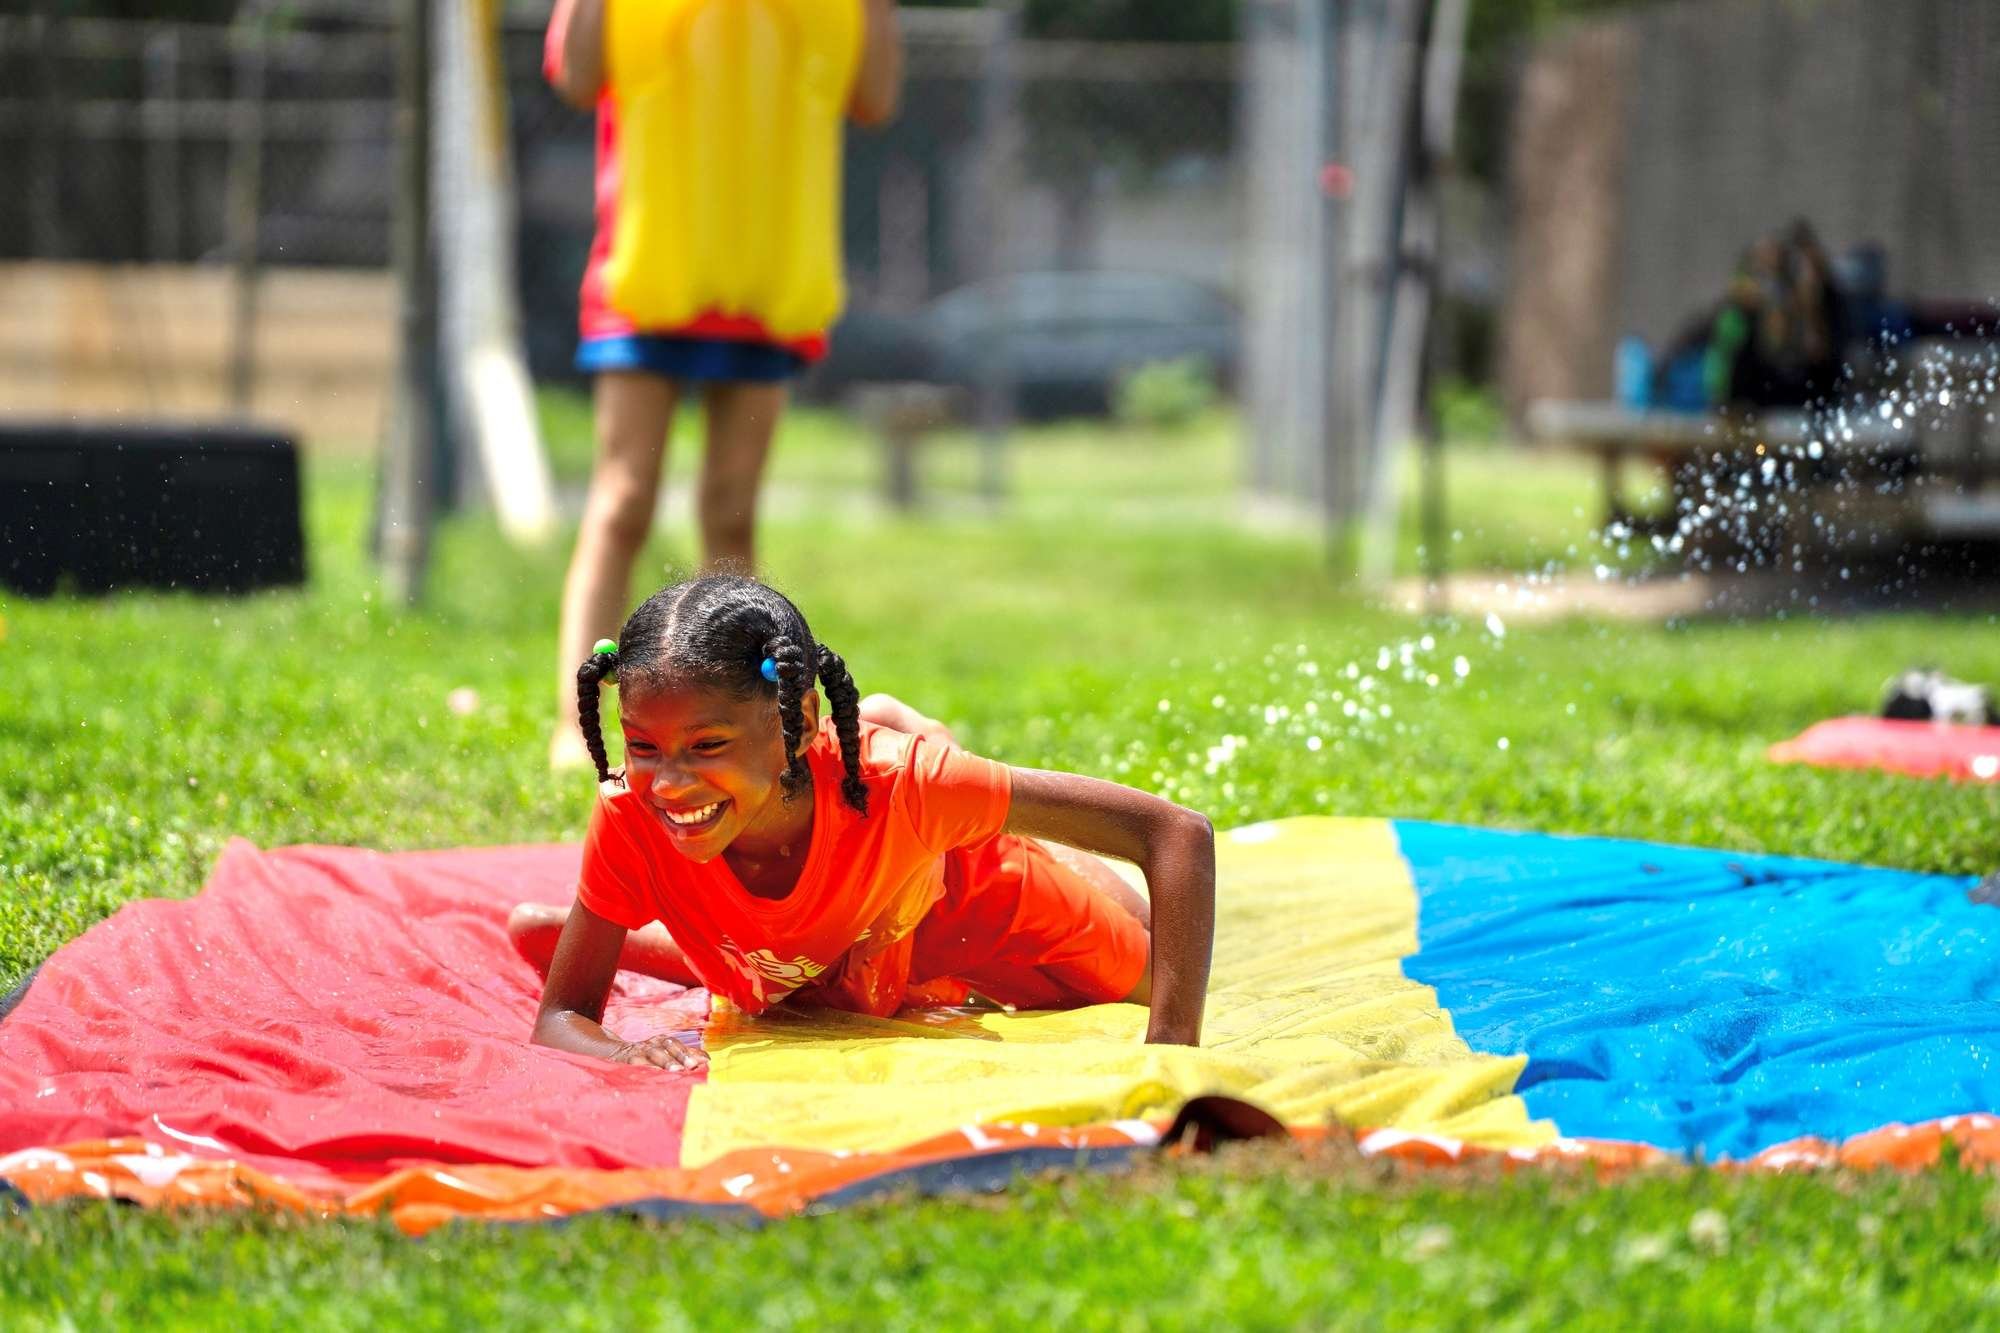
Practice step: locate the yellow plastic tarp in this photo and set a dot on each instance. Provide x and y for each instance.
(1309, 1017)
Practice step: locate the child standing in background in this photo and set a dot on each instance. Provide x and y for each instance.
(776, 837)
(716, 264)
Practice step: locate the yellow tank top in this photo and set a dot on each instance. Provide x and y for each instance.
(729, 143)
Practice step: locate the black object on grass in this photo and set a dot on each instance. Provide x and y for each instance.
(209, 507)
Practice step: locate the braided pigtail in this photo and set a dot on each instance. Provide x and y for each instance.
(844, 701)
(588, 677)
(794, 679)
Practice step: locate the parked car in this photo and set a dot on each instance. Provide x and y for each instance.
(1064, 340)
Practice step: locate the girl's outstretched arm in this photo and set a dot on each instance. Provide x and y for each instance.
(1174, 846)
(572, 1013)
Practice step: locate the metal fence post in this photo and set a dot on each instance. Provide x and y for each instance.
(162, 123)
(48, 143)
(1000, 135)
(407, 501)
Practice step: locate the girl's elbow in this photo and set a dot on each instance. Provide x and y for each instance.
(1195, 830)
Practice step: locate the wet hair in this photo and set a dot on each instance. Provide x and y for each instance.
(716, 631)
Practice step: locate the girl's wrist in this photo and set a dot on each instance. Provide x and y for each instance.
(1169, 1032)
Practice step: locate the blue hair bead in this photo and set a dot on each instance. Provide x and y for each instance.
(769, 668)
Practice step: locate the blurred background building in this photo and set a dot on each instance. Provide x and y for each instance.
(1649, 147)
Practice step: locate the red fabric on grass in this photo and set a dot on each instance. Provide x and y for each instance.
(330, 1013)
(1896, 745)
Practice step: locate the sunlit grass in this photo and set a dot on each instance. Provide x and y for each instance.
(1119, 613)
(1257, 1239)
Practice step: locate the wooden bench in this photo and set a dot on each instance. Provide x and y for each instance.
(1698, 451)
(902, 413)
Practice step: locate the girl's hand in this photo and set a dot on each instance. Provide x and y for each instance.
(572, 1012)
(662, 1052)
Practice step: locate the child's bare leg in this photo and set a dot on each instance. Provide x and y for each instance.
(886, 710)
(634, 413)
(1099, 874)
(535, 927)
(742, 417)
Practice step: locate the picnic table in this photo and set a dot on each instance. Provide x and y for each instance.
(1687, 444)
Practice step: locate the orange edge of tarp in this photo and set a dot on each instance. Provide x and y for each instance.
(779, 1181)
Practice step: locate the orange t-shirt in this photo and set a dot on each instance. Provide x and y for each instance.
(845, 930)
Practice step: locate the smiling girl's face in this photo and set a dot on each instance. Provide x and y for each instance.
(708, 764)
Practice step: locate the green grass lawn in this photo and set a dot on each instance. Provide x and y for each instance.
(1258, 1239)
(1118, 616)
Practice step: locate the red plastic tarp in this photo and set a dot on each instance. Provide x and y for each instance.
(1895, 745)
(329, 1015)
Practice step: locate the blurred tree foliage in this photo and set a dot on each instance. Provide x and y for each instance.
(1496, 29)
(1494, 23)
(1495, 32)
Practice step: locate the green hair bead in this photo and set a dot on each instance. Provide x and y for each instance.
(603, 647)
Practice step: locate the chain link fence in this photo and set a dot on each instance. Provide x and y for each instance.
(257, 150)
(182, 143)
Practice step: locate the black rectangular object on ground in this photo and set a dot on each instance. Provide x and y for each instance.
(212, 507)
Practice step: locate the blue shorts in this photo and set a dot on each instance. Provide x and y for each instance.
(684, 358)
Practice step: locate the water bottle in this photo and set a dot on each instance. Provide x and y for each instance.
(1632, 373)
